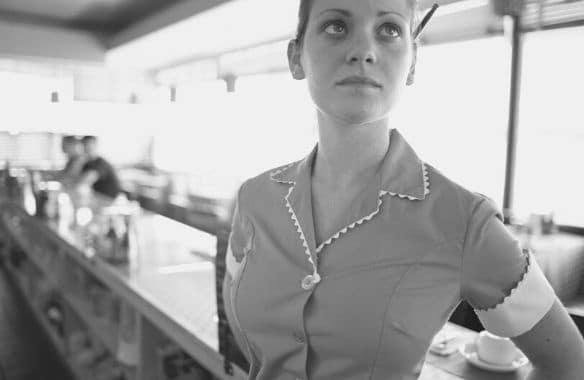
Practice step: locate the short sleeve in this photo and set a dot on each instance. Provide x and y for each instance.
(502, 282)
(103, 168)
(240, 238)
(96, 166)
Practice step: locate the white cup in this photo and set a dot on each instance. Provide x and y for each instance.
(495, 349)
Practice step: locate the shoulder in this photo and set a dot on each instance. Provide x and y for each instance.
(453, 203)
(265, 185)
(102, 162)
(89, 164)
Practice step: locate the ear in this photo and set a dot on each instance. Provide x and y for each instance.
(412, 73)
(294, 60)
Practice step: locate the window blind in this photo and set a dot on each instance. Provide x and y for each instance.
(542, 14)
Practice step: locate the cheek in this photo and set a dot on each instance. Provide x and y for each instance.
(320, 74)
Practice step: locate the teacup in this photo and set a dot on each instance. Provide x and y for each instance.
(495, 349)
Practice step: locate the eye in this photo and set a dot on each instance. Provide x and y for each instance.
(389, 30)
(335, 28)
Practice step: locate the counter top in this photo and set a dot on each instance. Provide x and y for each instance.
(170, 281)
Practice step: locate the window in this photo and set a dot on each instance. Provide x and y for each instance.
(223, 138)
(22, 90)
(455, 115)
(550, 148)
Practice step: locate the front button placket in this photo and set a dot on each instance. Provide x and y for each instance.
(298, 200)
(309, 281)
(299, 337)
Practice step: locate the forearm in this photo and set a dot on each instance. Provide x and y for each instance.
(554, 346)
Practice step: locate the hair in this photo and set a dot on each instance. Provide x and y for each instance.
(89, 139)
(304, 15)
(70, 139)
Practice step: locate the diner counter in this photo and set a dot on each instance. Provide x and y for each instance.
(170, 282)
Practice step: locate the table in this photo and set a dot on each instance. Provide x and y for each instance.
(170, 284)
(456, 367)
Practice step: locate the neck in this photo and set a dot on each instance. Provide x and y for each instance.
(348, 153)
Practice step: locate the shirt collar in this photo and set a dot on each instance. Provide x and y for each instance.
(402, 172)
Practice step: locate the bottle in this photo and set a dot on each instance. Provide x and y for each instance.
(66, 211)
(28, 198)
(128, 352)
(111, 238)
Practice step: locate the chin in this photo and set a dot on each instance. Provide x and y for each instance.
(361, 113)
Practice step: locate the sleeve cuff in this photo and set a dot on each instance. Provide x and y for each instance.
(527, 304)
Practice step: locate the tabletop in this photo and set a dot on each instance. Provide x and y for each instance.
(456, 366)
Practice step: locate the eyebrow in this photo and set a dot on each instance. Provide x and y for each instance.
(348, 13)
(341, 11)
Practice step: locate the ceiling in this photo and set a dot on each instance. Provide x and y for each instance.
(83, 31)
(101, 17)
(86, 30)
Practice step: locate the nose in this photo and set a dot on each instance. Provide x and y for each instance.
(362, 49)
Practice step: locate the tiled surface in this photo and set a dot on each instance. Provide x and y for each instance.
(25, 353)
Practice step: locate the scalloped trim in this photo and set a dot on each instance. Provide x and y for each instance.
(345, 229)
(280, 171)
(367, 218)
(300, 232)
(512, 290)
(426, 179)
(525, 305)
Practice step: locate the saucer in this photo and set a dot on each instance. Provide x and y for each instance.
(469, 351)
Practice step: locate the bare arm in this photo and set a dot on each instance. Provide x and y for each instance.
(554, 346)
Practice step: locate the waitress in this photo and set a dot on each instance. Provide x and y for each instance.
(346, 263)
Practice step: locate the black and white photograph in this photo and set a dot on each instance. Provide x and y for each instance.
(291, 190)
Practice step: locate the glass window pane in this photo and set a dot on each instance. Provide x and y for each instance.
(455, 115)
(551, 131)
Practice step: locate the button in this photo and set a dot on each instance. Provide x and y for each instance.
(299, 337)
(309, 281)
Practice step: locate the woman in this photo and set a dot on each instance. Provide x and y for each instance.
(345, 264)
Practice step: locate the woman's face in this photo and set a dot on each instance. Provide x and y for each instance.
(356, 56)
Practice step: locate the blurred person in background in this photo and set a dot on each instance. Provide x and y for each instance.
(97, 172)
(73, 149)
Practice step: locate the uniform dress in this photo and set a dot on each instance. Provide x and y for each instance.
(366, 303)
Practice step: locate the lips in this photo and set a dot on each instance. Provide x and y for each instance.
(358, 80)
